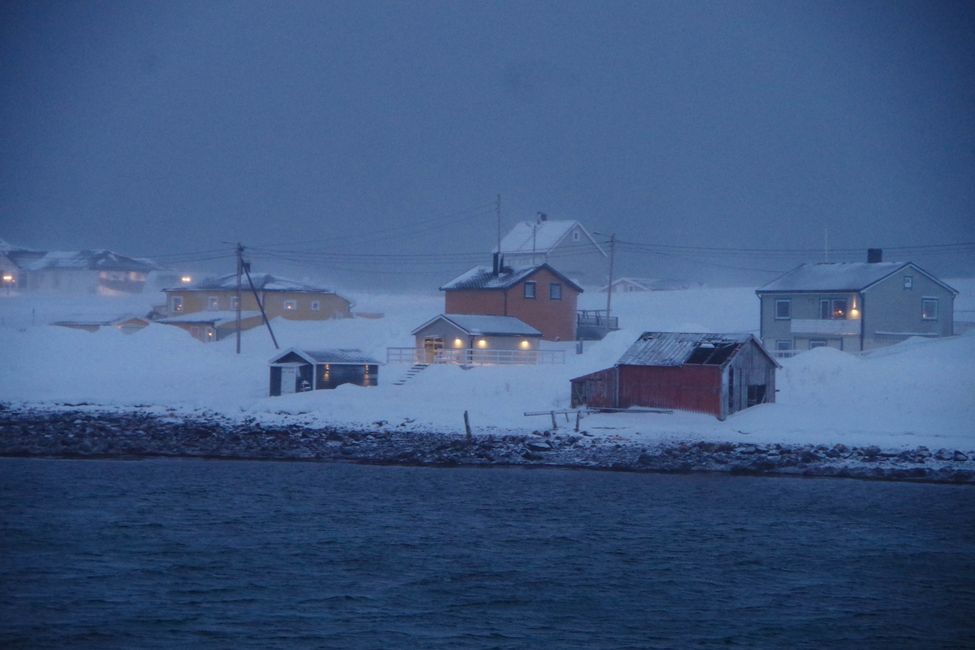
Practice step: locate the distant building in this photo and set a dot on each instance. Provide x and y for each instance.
(718, 374)
(473, 339)
(854, 306)
(124, 324)
(295, 371)
(89, 271)
(13, 265)
(210, 326)
(538, 295)
(565, 245)
(280, 297)
(636, 285)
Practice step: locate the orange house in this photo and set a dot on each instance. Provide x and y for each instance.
(538, 295)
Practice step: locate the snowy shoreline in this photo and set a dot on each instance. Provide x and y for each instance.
(83, 431)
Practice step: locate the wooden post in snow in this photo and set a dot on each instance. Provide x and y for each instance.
(467, 428)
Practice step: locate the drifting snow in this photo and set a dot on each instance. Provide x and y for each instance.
(918, 393)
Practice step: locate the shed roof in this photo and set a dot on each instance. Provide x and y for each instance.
(840, 276)
(540, 237)
(262, 282)
(337, 356)
(483, 277)
(483, 325)
(680, 348)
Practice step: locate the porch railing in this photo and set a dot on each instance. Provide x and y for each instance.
(596, 318)
(467, 357)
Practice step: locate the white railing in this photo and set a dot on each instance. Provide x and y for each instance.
(468, 357)
(814, 326)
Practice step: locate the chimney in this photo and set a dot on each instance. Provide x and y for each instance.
(875, 255)
(497, 264)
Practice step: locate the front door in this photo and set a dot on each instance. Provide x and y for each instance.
(289, 379)
(432, 347)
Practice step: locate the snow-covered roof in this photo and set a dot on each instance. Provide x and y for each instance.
(262, 282)
(484, 325)
(214, 318)
(649, 284)
(91, 260)
(483, 277)
(679, 348)
(840, 276)
(337, 356)
(540, 237)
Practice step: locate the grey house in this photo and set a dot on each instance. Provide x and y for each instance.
(566, 245)
(854, 306)
(296, 371)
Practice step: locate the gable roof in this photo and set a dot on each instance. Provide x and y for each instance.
(841, 276)
(484, 325)
(679, 348)
(483, 277)
(91, 260)
(540, 237)
(337, 356)
(262, 282)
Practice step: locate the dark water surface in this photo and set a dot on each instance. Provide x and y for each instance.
(146, 554)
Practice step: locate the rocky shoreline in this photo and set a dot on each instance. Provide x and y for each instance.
(81, 433)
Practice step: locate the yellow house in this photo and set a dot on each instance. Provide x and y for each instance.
(281, 298)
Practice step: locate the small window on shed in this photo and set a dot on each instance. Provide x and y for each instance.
(929, 309)
(530, 290)
(783, 309)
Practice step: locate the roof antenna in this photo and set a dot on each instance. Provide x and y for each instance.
(826, 243)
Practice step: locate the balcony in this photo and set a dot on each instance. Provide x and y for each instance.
(823, 327)
(593, 324)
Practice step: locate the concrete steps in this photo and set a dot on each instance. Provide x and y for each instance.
(414, 370)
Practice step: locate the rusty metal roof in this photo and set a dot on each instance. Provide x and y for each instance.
(678, 348)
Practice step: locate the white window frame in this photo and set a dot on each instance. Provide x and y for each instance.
(783, 301)
(213, 303)
(530, 294)
(930, 300)
(176, 304)
(316, 305)
(291, 304)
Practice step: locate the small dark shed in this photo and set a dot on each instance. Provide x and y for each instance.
(295, 371)
(718, 374)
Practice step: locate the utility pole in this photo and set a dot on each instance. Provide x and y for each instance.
(609, 287)
(497, 210)
(826, 243)
(240, 270)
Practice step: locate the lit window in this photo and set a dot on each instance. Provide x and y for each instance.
(316, 305)
(290, 305)
(177, 303)
(783, 309)
(908, 281)
(555, 291)
(832, 309)
(530, 290)
(929, 309)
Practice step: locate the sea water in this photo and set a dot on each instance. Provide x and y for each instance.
(179, 553)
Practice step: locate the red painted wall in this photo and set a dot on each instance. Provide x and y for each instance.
(688, 388)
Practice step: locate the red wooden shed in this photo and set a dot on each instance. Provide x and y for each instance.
(718, 374)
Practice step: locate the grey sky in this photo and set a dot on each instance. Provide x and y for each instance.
(356, 128)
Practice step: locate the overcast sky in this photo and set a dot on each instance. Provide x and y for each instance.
(348, 134)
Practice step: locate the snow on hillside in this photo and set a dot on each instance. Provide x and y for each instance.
(921, 392)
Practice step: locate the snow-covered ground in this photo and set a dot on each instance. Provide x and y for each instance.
(920, 392)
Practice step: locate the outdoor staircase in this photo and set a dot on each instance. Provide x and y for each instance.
(414, 370)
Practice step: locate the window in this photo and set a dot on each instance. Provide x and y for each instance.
(290, 305)
(575, 235)
(929, 309)
(530, 290)
(176, 303)
(555, 291)
(316, 305)
(908, 282)
(834, 309)
(783, 309)
(213, 303)
(817, 343)
(234, 301)
(783, 345)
